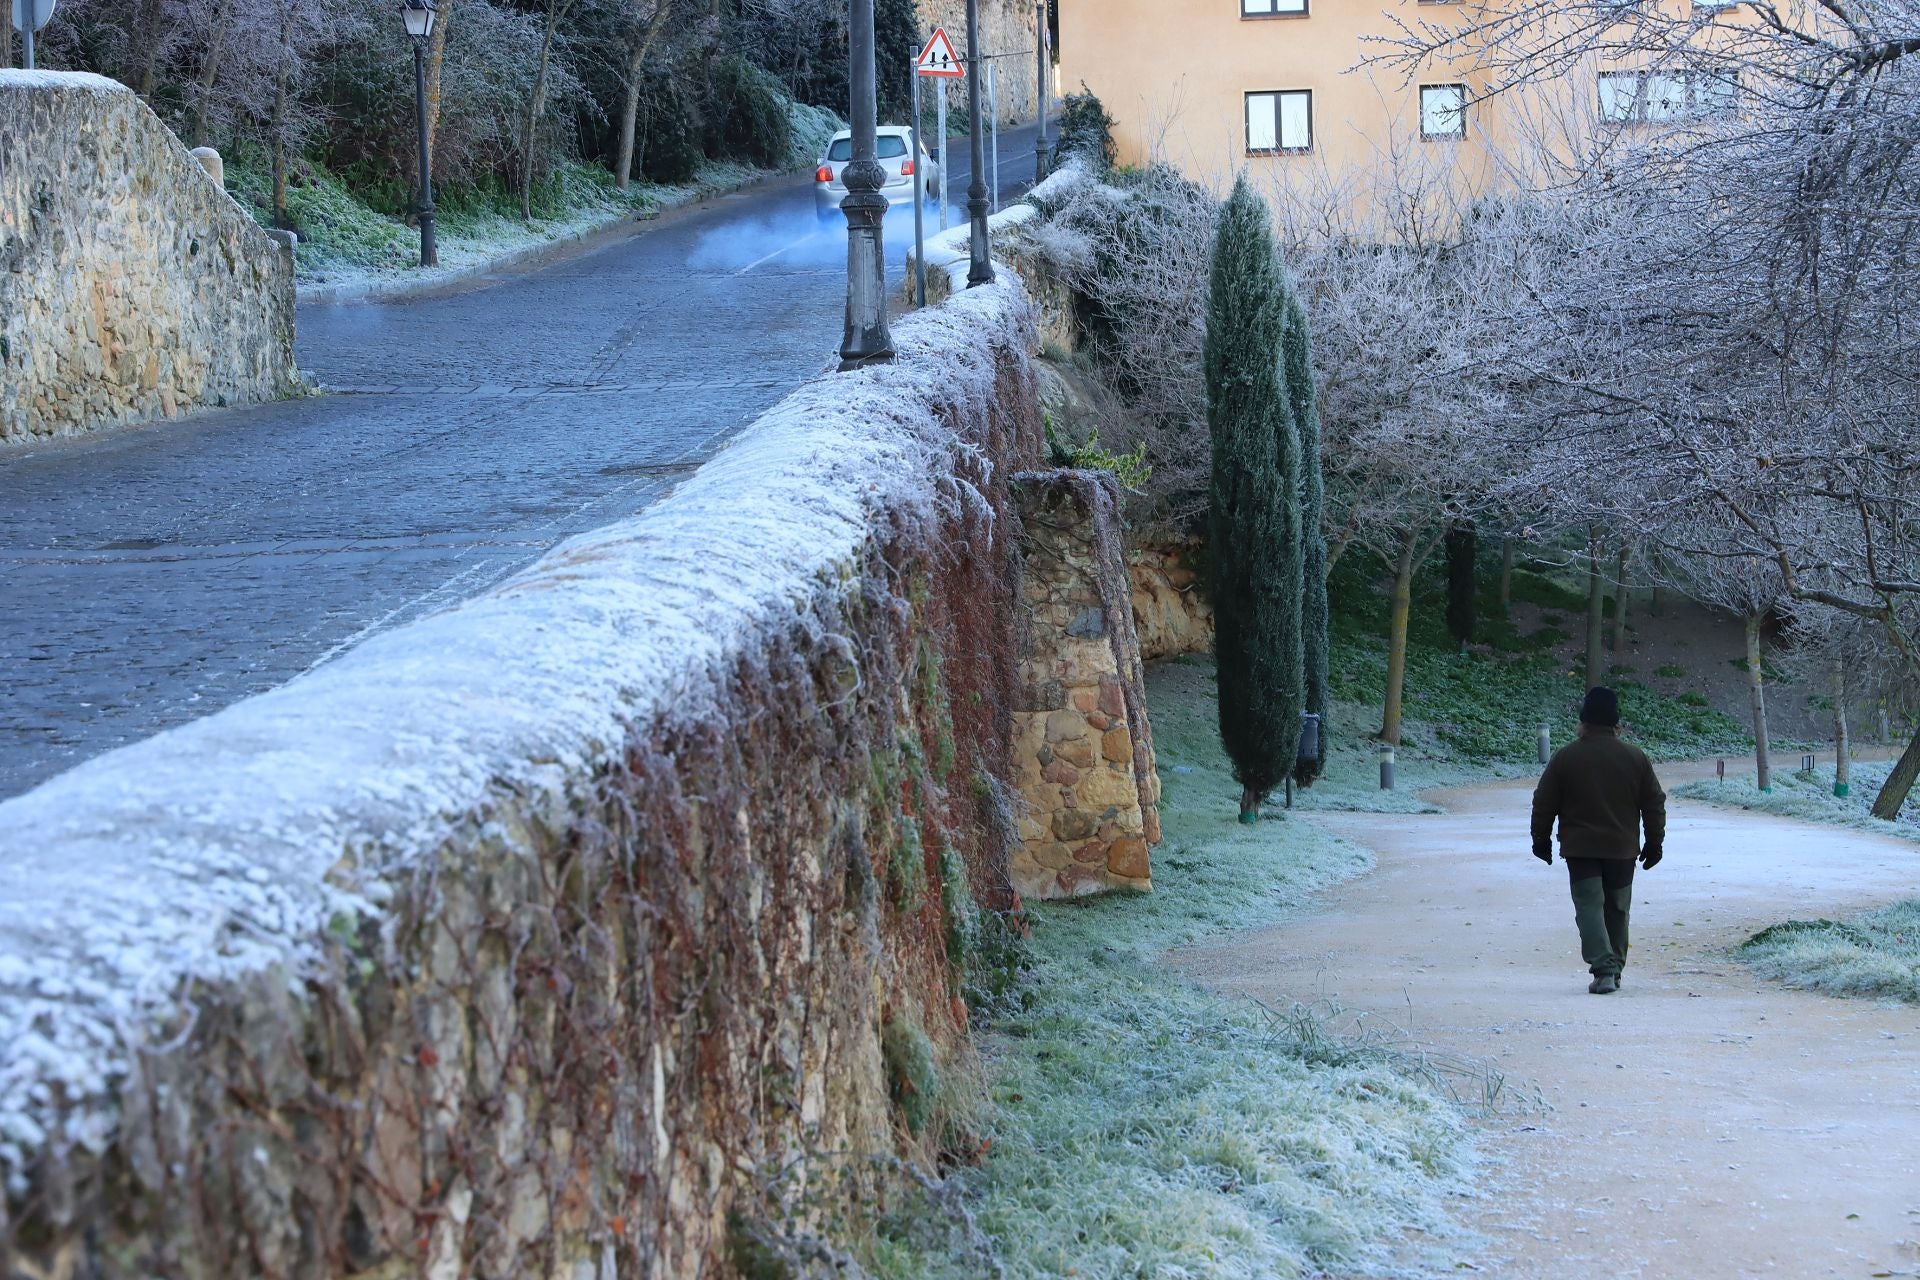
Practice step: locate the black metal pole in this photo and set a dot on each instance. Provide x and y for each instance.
(867, 340)
(429, 252)
(980, 267)
(1040, 92)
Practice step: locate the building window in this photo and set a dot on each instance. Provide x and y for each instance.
(1280, 121)
(1654, 97)
(1273, 8)
(1443, 111)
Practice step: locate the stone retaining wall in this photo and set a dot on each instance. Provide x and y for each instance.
(1082, 745)
(1171, 611)
(615, 923)
(131, 286)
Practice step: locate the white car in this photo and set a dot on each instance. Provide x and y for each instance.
(893, 143)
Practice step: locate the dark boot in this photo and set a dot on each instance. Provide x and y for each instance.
(1603, 984)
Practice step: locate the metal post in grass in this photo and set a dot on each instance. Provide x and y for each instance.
(1546, 742)
(867, 339)
(1386, 766)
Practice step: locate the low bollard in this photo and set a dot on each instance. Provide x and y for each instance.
(1546, 743)
(1720, 769)
(1386, 768)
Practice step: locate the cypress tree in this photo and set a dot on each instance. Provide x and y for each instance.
(1254, 508)
(1314, 611)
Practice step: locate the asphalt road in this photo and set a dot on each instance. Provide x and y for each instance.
(155, 574)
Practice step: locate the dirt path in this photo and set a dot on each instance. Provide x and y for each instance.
(1702, 1124)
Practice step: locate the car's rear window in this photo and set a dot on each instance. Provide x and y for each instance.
(891, 146)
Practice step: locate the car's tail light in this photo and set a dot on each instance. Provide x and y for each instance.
(823, 174)
(906, 169)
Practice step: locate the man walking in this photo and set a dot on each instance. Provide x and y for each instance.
(1603, 792)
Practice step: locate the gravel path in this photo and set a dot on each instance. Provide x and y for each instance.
(1701, 1123)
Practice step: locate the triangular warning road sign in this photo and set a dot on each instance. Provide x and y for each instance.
(938, 58)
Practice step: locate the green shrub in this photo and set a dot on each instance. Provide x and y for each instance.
(747, 115)
(672, 132)
(1131, 469)
(912, 1080)
(1086, 131)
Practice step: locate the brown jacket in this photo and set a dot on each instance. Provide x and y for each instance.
(1602, 790)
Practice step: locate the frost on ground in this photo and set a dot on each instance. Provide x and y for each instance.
(1143, 1126)
(140, 881)
(1876, 955)
(1809, 797)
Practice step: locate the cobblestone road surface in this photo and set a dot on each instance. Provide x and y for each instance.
(157, 574)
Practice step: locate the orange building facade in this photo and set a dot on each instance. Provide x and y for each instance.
(1293, 93)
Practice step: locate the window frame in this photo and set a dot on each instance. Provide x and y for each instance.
(1274, 10)
(1720, 97)
(1279, 147)
(1457, 135)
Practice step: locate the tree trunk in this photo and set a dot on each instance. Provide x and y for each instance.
(1899, 783)
(209, 71)
(640, 48)
(1399, 610)
(1886, 730)
(151, 17)
(278, 127)
(1757, 693)
(629, 124)
(1620, 603)
(536, 102)
(1506, 574)
(436, 55)
(1249, 805)
(1842, 740)
(1596, 604)
(1653, 599)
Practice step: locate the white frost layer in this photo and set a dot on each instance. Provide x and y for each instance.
(87, 80)
(951, 250)
(223, 847)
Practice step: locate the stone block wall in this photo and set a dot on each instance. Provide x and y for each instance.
(1083, 748)
(131, 286)
(613, 924)
(1171, 611)
(1006, 28)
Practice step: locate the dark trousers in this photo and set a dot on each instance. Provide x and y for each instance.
(1602, 899)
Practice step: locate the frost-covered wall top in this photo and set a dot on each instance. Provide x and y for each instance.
(225, 847)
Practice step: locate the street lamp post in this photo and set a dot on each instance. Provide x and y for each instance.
(866, 340)
(419, 15)
(1040, 93)
(980, 267)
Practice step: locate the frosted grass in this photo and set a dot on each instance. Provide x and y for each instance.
(1873, 956)
(1143, 1126)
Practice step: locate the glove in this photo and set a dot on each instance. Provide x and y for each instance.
(1544, 853)
(1650, 856)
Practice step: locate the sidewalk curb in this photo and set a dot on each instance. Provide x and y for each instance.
(546, 252)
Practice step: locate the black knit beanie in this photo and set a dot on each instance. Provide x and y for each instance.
(1602, 707)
